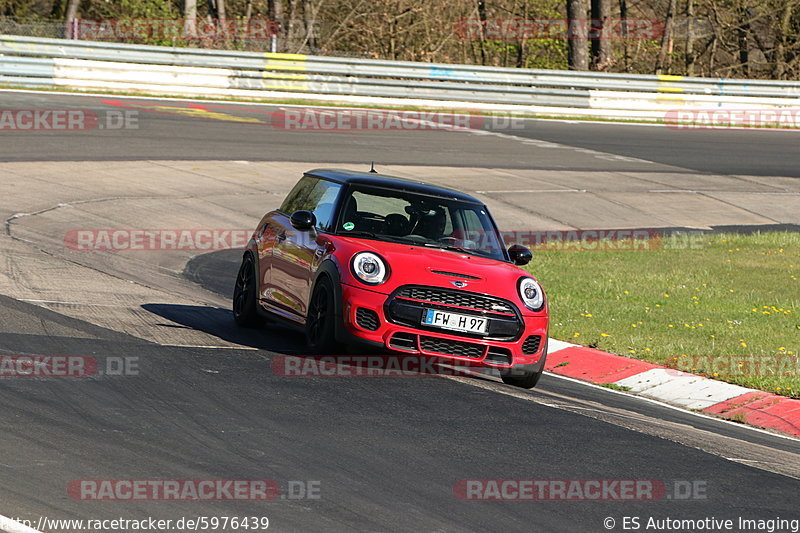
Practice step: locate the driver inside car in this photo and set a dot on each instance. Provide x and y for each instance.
(428, 222)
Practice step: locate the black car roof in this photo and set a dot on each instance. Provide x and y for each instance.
(389, 182)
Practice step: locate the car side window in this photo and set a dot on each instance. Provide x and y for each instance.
(297, 199)
(322, 201)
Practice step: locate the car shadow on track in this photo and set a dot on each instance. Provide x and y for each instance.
(216, 271)
(219, 323)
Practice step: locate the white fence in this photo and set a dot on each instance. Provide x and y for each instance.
(89, 65)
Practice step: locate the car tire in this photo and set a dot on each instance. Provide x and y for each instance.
(245, 306)
(523, 376)
(321, 319)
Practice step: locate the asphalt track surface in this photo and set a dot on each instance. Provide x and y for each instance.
(166, 134)
(386, 452)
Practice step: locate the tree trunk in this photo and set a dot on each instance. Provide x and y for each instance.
(742, 38)
(221, 12)
(291, 24)
(577, 40)
(666, 40)
(521, 44)
(623, 19)
(275, 13)
(309, 17)
(780, 69)
(690, 58)
(601, 44)
(216, 9)
(190, 18)
(275, 10)
(482, 18)
(69, 18)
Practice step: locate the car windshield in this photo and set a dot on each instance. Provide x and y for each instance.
(413, 218)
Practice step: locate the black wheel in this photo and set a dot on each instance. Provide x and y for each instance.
(245, 306)
(524, 376)
(321, 319)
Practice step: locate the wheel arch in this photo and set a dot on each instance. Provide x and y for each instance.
(329, 269)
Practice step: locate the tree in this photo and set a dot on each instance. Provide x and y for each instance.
(190, 18)
(690, 58)
(578, 56)
(666, 40)
(71, 15)
(275, 13)
(482, 17)
(601, 43)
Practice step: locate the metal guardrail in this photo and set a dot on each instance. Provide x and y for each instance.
(32, 61)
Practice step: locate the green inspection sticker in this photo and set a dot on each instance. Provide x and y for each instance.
(348, 226)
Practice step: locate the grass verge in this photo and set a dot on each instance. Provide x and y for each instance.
(725, 307)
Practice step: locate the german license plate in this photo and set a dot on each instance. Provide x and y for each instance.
(454, 321)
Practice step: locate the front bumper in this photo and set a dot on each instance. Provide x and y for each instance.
(372, 318)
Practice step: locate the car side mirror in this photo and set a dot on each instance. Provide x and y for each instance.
(303, 220)
(520, 255)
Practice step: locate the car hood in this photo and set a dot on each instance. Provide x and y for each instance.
(420, 265)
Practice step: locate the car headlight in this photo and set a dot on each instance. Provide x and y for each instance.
(370, 268)
(531, 294)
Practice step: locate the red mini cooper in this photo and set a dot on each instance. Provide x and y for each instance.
(359, 258)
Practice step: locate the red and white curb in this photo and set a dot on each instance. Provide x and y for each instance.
(681, 389)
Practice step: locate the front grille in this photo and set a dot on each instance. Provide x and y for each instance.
(448, 347)
(403, 341)
(531, 345)
(367, 319)
(459, 298)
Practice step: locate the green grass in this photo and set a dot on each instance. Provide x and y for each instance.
(614, 386)
(725, 306)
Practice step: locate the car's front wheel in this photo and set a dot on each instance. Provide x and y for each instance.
(524, 376)
(321, 319)
(245, 306)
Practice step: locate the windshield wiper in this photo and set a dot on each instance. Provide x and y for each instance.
(454, 248)
(450, 247)
(358, 233)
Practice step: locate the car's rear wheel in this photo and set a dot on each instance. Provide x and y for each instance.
(245, 305)
(524, 376)
(321, 319)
